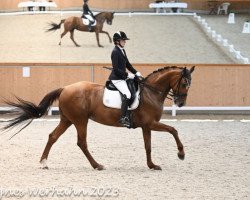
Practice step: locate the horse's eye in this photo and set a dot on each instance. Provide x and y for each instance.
(184, 85)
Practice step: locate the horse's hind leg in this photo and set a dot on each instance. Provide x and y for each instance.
(82, 143)
(59, 130)
(63, 34)
(72, 38)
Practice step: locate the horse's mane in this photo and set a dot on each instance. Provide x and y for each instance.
(163, 69)
(97, 15)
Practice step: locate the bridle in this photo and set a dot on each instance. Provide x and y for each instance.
(166, 93)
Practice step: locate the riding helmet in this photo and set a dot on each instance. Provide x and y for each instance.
(120, 35)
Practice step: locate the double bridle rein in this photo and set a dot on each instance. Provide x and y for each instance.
(173, 96)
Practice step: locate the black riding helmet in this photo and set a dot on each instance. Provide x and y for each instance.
(120, 35)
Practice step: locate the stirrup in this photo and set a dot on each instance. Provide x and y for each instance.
(125, 121)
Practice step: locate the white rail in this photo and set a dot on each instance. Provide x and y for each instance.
(174, 109)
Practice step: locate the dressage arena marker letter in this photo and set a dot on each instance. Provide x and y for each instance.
(26, 71)
(246, 27)
(231, 19)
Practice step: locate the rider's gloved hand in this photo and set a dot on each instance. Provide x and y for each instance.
(138, 74)
(131, 76)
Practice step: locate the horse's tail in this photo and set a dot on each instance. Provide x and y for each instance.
(27, 111)
(54, 26)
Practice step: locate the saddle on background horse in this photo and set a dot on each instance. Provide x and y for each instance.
(113, 98)
(86, 21)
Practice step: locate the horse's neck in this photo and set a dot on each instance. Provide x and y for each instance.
(161, 81)
(100, 16)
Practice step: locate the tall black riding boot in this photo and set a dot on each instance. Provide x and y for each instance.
(89, 27)
(124, 120)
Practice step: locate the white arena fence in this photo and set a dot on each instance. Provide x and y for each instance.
(173, 110)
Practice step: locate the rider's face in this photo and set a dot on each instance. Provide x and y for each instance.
(122, 43)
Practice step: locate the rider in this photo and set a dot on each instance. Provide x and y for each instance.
(119, 75)
(88, 14)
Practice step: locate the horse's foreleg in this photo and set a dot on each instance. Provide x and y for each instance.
(53, 137)
(157, 126)
(110, 40)
(72, 37)
(82, 143)
(147, 143)
(97, 39)
(63, 34)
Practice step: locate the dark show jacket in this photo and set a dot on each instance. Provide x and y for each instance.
(86, 10)
(120, 62)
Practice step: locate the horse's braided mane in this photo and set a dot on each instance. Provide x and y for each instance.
(100, 13)
(163, 69)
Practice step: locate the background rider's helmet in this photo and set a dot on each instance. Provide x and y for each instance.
(120, 35)
(85, 1)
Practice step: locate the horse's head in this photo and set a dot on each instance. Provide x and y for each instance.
(109, 17)
(105, 16)
(180, 84)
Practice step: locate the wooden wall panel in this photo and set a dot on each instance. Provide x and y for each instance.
(212, 85)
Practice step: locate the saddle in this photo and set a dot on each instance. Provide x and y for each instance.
(112, 97)
(86, 21)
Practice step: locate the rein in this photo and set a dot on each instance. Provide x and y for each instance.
(172, 95)
(143, 84)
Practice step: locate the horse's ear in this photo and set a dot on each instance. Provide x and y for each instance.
(184, 71)
(192, 69)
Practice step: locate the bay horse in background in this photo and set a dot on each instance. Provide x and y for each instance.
(75, 23)
(82, 101)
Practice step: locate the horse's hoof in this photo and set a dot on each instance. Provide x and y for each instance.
(100, 167)
(44, 164)
(181, 156)
(45, 167)
(101, 46)
(77, 45)
(155, 167)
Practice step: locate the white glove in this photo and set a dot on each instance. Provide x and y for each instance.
(138, 74)
(131, 76)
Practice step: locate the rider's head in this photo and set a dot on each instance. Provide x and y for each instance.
(118, 37)
(85, 1)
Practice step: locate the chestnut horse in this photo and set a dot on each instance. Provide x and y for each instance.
(82, 101)
(75, 23)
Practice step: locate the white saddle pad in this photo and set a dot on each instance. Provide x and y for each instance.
(86, 22)
(112, 99)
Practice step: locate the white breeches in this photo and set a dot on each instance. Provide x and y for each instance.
(90, 18)
(122, 86)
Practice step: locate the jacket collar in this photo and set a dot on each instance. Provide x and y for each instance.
(120, 50)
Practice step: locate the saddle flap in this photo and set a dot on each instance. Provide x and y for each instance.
(112, 97)
(86, 21)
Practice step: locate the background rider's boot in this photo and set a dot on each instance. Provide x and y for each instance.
(89, 27)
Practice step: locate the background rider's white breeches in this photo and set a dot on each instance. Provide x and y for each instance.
(121, 85)
(90, 18)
